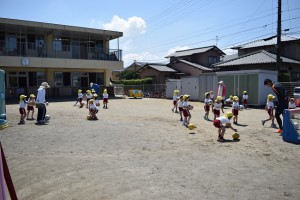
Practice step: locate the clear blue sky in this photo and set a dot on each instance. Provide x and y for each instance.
(154, 28)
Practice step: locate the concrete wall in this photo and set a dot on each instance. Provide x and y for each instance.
(172, 85)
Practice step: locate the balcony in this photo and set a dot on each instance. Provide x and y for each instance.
(27, 49)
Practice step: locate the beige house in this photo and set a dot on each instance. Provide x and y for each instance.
(67, 57)
(158, 72)
(192, 62)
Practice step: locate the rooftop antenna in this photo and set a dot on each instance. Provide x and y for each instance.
(217, 38)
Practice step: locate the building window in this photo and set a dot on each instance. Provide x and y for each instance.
(57, 45)
(80, 79)
(212, 60)
(35, 78)
(62, 79)
(17, 79)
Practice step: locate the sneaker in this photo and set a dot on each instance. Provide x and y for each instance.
(221, 139)
(176, 111)
(181, 120)
(273, 125)
(279, 131)
(263, 122)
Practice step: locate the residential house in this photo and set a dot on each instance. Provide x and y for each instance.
(158, 72)
(135, 66)
(261, 54)
(196, 61)
(67, 57)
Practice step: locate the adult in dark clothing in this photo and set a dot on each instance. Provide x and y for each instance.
(283, 100)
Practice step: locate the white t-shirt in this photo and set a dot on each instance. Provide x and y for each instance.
(93, 106)
(185, 105)
(105, 96)
(175, 98)
(292, 105)
(207, 101)
(245, 96)
(217, 106)
(22, 104)
(80, 95)
(223, 120)
(229, 100)
(270, 104)
(235, 105)
(89, 96)
(212, 95)
(180, 104)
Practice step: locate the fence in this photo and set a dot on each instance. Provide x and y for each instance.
(149, 90)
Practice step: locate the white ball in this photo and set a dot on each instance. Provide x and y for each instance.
(241, 107)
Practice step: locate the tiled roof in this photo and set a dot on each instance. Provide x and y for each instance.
(189, 52)
(258, 57)
(195, 65)
(162, 68)
(265, 42)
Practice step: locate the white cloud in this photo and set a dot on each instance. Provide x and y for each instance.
(131, 27)
(142, 57)
(229, 51)
(177, 48)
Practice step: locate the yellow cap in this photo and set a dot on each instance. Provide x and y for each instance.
(176, 92)
(245, 92)
(185, 96)
(235, 98)
(22, 97)
(219, 98)
(228, 114)
(79, 91)
(95, 95)
(88, 91)
(93, 90)
(32, 96)
(105, 91)
(271, 96)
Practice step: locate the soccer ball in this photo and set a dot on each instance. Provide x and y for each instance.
(47, 117)
(89, 117)
(191, 126)
(190, 107)
(235, 136)
(241, 107)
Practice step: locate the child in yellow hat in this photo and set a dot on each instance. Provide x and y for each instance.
(270, 109)
(245, 99)
(89, 95)
(219, 123)
(235, 109)
(217, 107)
(105, 98)
(186, 110)
(22, 111)
(175, 100)
(30, 106)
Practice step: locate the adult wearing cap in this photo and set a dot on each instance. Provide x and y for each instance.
(221, 91)
(41, 103)
(283, 102)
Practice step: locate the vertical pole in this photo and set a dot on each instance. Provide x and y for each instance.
(278, 37)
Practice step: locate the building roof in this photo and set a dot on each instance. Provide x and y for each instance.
(161, 68)
(189, 52)
(195, 65)
(42, 27)
(258, 57)
(265, 42)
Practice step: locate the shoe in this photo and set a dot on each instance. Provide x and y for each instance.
(263, 122)
(273, 125)
(176, 111)
(172, 110)
(221, 139)
(181, 120)
(279, 131)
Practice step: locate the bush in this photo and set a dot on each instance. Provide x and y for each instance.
(135, 81)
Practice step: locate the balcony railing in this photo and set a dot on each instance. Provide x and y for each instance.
(62, 51)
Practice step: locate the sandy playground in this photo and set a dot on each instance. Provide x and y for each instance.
(138, 150)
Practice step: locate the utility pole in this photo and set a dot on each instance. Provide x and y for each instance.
(278, 61)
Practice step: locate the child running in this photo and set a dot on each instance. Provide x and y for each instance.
(186, 110)
(207, 103)
(89, 96)
(217, 107)
(105, 98)
(220, 122)
(22, 105)
(30, 106)
(245, 99)
(235, 109)
(180, 106)
(175, 99)
(270, 110)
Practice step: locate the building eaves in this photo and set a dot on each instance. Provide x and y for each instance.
(189, 52)
(265, 42)
(196, 65)
(258, 57)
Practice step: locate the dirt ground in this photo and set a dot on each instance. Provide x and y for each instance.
(138, 150)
